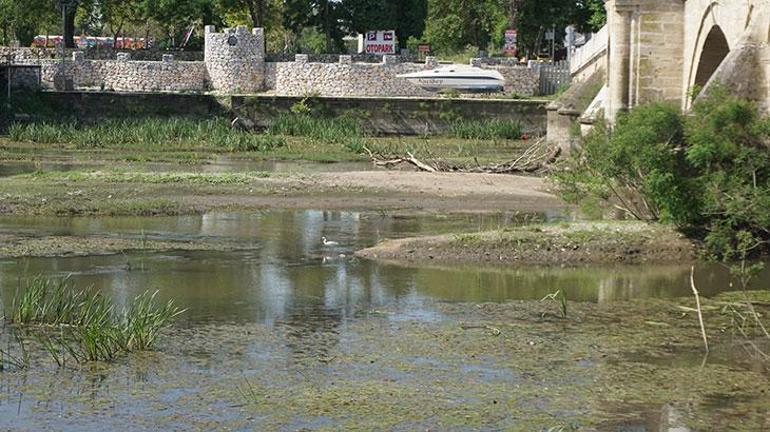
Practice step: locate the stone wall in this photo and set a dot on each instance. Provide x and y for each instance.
(346, 78)
(234, 63)
(22, 55)
(22, 77)
(519, 80)
(235, 60)
(378, 115)
(127, 76)
(402, 116)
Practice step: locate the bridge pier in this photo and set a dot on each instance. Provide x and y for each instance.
(618, 58)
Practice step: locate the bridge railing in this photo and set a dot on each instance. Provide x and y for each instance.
(593, 49)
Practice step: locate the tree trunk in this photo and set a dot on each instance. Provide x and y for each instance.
(257, 12)
(69, 28)
(327, 27)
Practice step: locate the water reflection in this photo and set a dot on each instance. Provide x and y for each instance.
(285, 274)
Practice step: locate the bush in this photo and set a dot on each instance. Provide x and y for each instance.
(707, 172)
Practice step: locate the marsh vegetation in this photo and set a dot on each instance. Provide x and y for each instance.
(83, 325)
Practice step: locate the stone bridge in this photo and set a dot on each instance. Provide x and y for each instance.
(660, 50)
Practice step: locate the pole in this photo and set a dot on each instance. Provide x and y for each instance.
(63, 49)
(8, 73)
(553, 44)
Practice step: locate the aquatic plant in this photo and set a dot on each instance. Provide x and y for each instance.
(560, 298)
(142, 321)
(10, 360)
(53, 302)
(86, 326)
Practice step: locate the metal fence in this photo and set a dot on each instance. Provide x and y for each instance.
(554, 77)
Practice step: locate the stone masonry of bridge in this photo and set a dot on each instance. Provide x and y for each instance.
(660, 50)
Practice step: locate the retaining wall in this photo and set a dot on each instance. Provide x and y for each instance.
(405, 116)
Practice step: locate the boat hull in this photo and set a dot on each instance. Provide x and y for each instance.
(464, 84)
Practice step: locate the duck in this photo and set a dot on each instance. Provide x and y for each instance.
(326, 242)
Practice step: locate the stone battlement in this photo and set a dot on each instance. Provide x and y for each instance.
(234, 62)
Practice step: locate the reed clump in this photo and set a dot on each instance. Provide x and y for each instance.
(343, 130)
(86, 326)
(145, 134)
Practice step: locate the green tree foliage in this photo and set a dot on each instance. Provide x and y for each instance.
(23, 20)
(454, 24)
(406, 17)
(534, 17)
(707, 172)
(327, 16)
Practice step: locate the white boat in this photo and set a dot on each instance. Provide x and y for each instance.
(459, 77)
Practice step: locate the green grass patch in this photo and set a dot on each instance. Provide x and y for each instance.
(340, 130)
(151, 178)
(152, 133)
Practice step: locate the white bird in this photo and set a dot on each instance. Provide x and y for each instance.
(329, 243)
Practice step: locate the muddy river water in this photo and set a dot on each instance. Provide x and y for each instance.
(286, 333)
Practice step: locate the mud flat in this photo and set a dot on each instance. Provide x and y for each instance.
(120, 192)
(554, 244)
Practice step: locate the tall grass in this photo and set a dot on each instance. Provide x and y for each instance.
(486, 129)
(153, 133)
(87, 326)
(341, 130)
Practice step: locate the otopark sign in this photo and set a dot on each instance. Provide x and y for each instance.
(380, 42)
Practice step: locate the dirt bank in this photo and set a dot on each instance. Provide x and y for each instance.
(135, 193)
(563, 244)
(16, 246)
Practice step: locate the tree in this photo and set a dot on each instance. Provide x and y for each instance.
(453, 24)
(176, 18)
(23, 20)
(406, 17)
(119, 14)
(534, 17)
(327, 16)
(259, 10)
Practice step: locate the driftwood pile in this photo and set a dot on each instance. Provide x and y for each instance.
(535, 160)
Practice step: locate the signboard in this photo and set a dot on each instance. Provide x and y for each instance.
(511, 48)
(380, 42)
(424, 48)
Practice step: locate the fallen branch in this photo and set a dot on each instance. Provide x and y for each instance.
(535, 158)
(697, 304)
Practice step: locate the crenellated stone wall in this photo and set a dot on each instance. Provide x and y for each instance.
(347, 78)
(344, 78)
(234, 63)
(21, 55)
(127, 76)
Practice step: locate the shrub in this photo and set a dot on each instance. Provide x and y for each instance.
(708, 172)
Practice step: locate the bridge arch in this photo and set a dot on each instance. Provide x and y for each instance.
(715, 49)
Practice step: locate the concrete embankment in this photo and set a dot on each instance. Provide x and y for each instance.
(403, 116)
